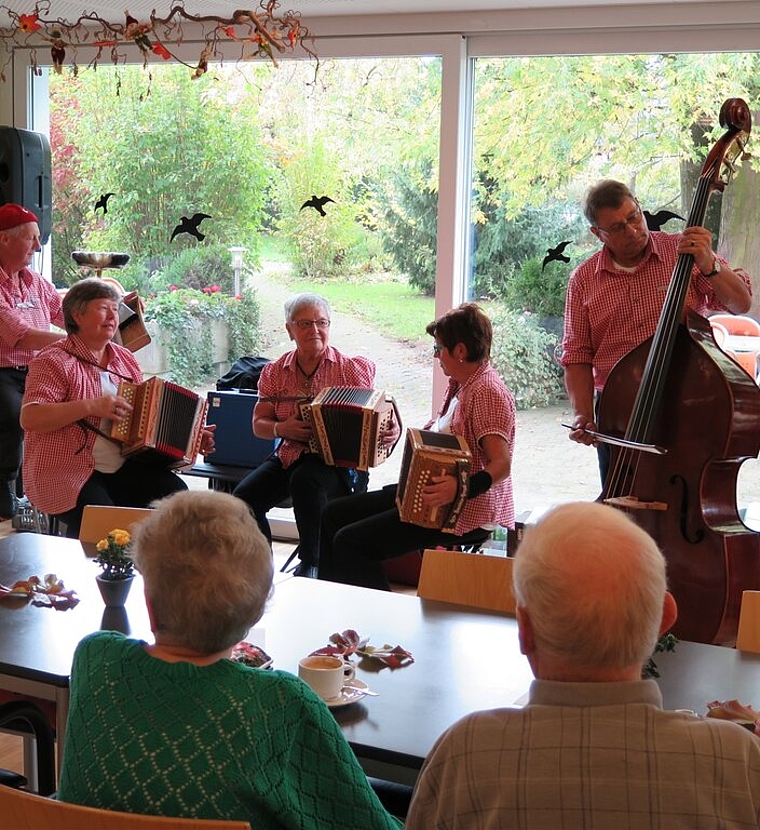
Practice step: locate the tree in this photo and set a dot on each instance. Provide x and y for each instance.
(179, 150)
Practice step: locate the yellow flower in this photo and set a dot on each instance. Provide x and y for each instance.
(102, 544)
(120, 537)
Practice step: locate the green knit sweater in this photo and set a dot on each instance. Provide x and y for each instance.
(222, 741)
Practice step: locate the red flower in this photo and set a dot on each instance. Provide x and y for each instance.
(28, 23)
(215, 289)
(173, 288)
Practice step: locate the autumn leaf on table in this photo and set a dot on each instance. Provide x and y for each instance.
(395, 657)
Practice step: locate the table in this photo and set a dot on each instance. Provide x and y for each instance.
(37, 644)
(465, 659)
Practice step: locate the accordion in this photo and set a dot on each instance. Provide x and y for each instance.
(429, 454)
(165, 424)
(348, 424)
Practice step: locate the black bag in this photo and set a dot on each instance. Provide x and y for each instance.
(244, 374)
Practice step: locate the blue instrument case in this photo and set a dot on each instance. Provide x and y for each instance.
(236, 445)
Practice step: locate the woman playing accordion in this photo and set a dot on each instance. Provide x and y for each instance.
(360, 531)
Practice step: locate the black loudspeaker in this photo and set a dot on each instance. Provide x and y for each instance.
(25, 174)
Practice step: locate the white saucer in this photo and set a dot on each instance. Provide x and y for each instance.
(350, 693)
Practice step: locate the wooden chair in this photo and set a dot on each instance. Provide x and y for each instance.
(738, 324)
(748, 636)
(25, 811)
(475, 579)
(98, 520)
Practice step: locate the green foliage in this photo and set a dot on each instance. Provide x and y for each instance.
(185, 317)
(536, 291)
(319, 246)
(184, 148)
(522, 353)
(411, 222)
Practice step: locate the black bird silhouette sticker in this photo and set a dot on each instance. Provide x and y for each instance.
(657, 220)
(103, 202)
(318, 203)
(555, 254)
(191, 226)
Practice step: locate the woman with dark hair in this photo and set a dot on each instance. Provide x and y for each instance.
(70, 401)
(359, 532)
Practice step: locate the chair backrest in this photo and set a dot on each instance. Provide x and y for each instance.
(475, 579)
(737, 324)
(719, 331)
(98, 520)
(748, 636)
(25, 811)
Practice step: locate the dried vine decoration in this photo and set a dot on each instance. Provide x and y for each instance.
(260, 33)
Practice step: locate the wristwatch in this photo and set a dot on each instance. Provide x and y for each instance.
(715, 269)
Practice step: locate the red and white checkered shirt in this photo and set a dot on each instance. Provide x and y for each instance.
(58, 463)
(36, 307)
(279, 379)
(485, 407)
(609, 312)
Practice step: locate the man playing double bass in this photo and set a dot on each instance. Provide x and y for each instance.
(614, 298)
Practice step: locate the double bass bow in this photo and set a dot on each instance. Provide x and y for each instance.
(682, 417)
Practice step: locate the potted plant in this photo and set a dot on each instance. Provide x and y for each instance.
(117, 567)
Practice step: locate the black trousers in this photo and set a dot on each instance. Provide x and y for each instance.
(12, 385)
(310, 483)
(135, 484)
(359, 532)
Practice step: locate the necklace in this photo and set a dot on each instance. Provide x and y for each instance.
(307, 376)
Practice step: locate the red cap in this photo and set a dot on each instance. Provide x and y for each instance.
(12, 215)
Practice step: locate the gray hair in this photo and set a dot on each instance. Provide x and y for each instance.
(80, 294)
(608, 193)
(593, 584)
(301, 301)
(207, 568)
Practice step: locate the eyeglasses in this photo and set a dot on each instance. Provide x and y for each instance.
(621, 227)
(307, 324)
(437, 349)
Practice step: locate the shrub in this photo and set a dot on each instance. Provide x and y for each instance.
(184, 315)
(523, 354)
(539, 292)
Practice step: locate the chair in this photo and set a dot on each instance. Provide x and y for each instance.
(98, 520)
(25, 811)
(719, 331)
(25, 718)
(748, 636)
(475, 579)
(737, 324)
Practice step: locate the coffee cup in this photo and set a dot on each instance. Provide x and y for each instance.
(325, 674)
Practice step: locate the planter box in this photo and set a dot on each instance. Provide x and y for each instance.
(154, 358)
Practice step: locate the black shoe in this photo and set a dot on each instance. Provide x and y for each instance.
(7, 499)
(305, 569)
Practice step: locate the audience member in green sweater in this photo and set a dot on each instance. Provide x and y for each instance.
(176, 728)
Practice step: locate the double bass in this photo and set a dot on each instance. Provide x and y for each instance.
(681, 417)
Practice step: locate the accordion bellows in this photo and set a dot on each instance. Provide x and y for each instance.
(426, 454)
(166, 422)
(348, 424)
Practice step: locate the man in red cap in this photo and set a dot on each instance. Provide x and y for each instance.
(28, 305)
